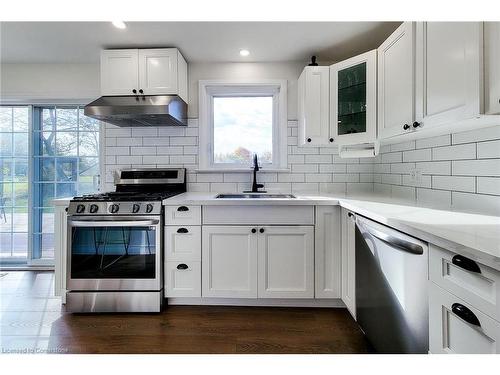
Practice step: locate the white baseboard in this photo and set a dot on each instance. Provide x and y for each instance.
(268, 302)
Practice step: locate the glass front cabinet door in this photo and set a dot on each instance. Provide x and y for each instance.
(353, 116)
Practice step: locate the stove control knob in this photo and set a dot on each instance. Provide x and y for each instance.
(93, 208)
(114, 208)
(80, 209)
(149, 208)
(135, 208)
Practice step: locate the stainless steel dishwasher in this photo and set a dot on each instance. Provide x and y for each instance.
(391, 288)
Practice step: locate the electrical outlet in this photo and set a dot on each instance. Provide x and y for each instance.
(415, 175)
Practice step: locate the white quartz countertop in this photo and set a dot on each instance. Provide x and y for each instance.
(474, 235)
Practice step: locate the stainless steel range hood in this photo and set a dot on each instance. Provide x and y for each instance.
(157, 110)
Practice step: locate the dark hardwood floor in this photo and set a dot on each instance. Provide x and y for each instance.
(32, 320)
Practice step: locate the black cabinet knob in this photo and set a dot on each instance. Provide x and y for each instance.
(182, 266)
(416, 124)
(141, 92)
(309, 139)
(261, 230)
(254, 230)
(134, 91)
(465, 313)
(406, 126)
(331, 140)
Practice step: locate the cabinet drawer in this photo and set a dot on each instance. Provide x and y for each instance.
(183, 243)
(467, 331)
(258, 215)
(480, 289)
(182, 215)
(183, 279)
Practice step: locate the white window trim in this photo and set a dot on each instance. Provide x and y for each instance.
(209, 88)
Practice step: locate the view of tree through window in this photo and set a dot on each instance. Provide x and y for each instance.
(66, 152)
(243, 126)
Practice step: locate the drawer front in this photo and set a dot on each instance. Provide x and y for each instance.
(183, 279)
(258, 215)
(182, 215)
(451, 331)
(183, 243)
(480, 289)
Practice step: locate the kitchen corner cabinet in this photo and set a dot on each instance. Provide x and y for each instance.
(492, 67)
(396, 82)
(158, 71)
(314, 106)
(327, 252)
(353, 98)
(449, 80)
(349, 261)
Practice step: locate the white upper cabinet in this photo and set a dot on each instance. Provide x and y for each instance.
(353, 98)
(492, 67)
(159, 71)
(449, 72)
(119, 69)
(396, 83)
(314, 106)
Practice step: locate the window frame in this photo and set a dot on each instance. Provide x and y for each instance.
(208, 89)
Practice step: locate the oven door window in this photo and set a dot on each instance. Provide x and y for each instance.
(113, 252)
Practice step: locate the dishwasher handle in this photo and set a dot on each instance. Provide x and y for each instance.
(393, 241)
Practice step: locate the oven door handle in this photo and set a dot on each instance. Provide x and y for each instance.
(116, 223)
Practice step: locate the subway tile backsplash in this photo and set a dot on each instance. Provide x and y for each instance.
(459, 171)
(310, 169)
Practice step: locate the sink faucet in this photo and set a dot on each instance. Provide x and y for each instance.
(255, 185)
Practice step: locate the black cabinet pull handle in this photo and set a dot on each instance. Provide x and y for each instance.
(182, 230)
(406, 126)
(416, 124)
(182, 266)
(465, 263)
(309, 139)
(465, 313)
(261, 230)
(134, 91)
(182, 208)
(331, 139)
(254, 230)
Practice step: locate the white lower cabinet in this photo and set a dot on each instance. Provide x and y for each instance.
(229, 261)
(349, 261)
(456, 327)
(327, 252)
(258, 261)
(286, 262)
(183, 279)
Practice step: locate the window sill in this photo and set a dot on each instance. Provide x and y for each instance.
(242, 170)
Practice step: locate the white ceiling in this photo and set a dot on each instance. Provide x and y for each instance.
(80, 42)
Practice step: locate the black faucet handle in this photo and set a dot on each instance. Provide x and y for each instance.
(255, 162)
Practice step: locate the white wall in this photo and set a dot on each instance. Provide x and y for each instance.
(48, 82)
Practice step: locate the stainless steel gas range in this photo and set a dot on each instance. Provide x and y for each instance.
(115, 240)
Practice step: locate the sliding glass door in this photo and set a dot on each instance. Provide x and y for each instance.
(14, 184)
(47, 152)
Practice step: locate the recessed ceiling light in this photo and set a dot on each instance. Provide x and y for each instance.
(119, 24)
(244, 52)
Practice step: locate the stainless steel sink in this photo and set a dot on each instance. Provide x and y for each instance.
(254, 196)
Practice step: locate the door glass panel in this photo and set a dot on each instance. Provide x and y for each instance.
(352, 100)
(113, 252)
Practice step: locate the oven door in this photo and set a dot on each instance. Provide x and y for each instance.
(114, 253)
